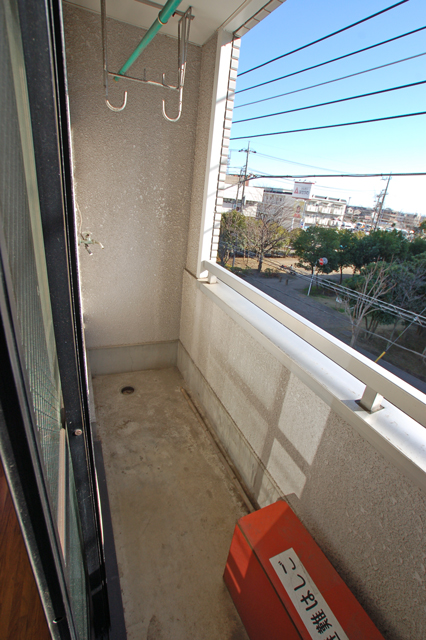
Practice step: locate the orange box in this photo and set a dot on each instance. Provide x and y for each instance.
(283, 586)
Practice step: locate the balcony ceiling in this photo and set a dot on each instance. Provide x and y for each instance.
(208, 15)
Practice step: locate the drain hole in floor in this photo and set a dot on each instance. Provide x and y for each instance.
(126, 391)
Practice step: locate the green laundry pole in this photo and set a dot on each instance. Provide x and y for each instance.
(162, 18)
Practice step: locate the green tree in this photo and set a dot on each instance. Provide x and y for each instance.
(233, 235)
(417, 246)
(344, 253)
(379, 246)
(315, 243)
(409, 280)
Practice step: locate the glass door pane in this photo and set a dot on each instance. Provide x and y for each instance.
(23, 252)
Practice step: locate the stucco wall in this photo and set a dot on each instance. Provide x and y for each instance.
(366, 516)
(133, 180)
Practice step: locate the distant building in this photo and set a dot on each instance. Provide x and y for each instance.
(232, 199)
(289, 211)
(365, 218)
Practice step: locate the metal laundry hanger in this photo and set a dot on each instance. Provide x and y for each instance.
(183, 40)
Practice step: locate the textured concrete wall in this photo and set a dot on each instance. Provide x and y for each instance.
(366, 516)
(133, 180)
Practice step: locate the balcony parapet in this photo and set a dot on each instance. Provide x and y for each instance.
(388, 412)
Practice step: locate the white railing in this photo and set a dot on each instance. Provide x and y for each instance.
(378, 381)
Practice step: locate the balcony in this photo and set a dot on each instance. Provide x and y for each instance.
(274, 407)
(298, 415)
(297, 412)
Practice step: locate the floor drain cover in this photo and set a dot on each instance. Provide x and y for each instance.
(126, 391)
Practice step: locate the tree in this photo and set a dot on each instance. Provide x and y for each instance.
(282, 213)
(264, 234)
(373, 283)
(315, 243)
(417, 246)
(409, 290)
(347, 243)
(379, 246)
(233, 230)
(421, 229)
(409, 280)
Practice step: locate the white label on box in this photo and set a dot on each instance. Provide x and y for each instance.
(318, 618)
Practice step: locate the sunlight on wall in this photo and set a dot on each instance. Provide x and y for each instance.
(293, 443)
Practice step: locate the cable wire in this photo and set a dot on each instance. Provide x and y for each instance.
(321, 84)
(328, 126)
(333, 175)
(324, 104)
(330, 35)
(300, 164)
(322, 64)
(259, 175)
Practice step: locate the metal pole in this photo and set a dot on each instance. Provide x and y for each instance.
(238, 190)
(379, 213)
(161, 19)
(247, 151)
(312, 279)
(245, 177)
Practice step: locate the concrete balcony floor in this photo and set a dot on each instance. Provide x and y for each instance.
(173, 510)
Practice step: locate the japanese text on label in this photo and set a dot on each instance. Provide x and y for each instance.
(316, 615)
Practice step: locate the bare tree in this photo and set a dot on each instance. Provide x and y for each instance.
(264, 234)
(269, 231)
(282, 213)
(372, 284)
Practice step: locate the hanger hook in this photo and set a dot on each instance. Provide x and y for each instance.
(172, 119)
(180, 107)
(109, 105)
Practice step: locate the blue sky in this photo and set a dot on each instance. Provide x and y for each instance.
(392, 146)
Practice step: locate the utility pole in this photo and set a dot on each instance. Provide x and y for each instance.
(380, 201)
(247, 152)
(238, 189)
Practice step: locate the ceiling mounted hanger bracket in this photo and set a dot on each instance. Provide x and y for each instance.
(183, 39)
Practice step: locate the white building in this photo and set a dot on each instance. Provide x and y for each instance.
(324, 211)
(232, 199)
(318, 210)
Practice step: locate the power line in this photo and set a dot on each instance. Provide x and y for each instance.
(330, 35)
(300, 164)
(329, 126)
(332, 175)
(324, 104)
(321, 84)
(324, 175)
(322, 64)
(266, 176)
(311, 166)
